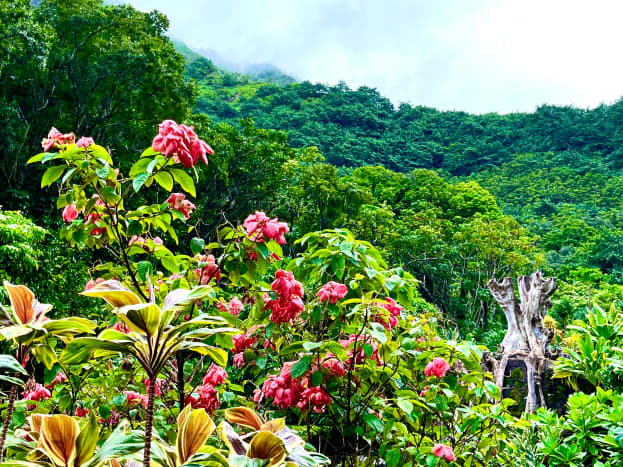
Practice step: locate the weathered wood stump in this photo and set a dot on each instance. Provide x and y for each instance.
(526, 337)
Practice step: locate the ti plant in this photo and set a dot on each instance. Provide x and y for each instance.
(194, 427)
(29, 330)
(154, 335)
(268, 443)
(60, 440)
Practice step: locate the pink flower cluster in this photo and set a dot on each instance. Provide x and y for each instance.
(284, 390)
(441, 450)
(393, 310)
(360, 355)
(179, 202)
(143, 242)
(135, 398)
(234, 306)
(242, 342)
(56, 139)
(93, 217)
(70, 213)
(59, 378)
(314, 398)
(181, 143)
(260, 227)
(332, 291)
(38, 393)
(289, 303)
(207, 269)
(289, 392)
(121, 327)
(207, 396)
(81, 411)
(438, 367)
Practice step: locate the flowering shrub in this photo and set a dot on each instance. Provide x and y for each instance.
(332, 338)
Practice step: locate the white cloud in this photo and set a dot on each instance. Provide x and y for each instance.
(479, 56)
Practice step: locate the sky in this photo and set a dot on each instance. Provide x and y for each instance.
(477, 56)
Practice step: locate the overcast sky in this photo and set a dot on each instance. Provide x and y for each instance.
(478, 56)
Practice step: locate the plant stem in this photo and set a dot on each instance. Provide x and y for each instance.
(180, 380)
(148, 421)
(7, 419)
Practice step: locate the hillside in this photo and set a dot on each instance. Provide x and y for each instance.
(557, 170)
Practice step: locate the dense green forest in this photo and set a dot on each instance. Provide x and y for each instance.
(556, 171)
(341, 243)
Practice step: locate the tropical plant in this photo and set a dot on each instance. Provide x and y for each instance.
(28, 329)
(155, 334)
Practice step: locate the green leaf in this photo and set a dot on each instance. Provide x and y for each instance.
(405, 405)
(374, 422)
(52, 174)
(317, 378)
(144, 268)
(311, 345)
(197, 245)
(165, 180)
(134, 228)
(102, 172)
(184, 180)
(139, 181)
(301, 367)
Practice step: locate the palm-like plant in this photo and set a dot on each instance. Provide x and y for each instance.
(60, 440)
(154, 335)
(27, 327)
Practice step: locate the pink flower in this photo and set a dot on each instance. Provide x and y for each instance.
(207, 269)
(85, 142)
(215, 376)
(289, 304)
(238, 360)
(234, 306)
(121, 327)
(178, 202)
(334, 366)
(393, 310)
(70, 213)
(56, 139)
(81, 412)
(424, 391)
(94, 217)
(181, 143)
(332, 291)
(205, 398)
(315, 398)
(135, 398)
(37, 394)
(360, 355)
(283, 389)
(441, 450)
(438, 367)
(157, 386)
(92, 283)
(243, 341)
(59, 378)
(259, 227)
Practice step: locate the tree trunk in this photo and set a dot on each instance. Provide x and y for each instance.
(7, 419)
(181, 398)
(526, 336)
(148, 421)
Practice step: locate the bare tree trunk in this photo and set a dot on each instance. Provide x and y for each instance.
(526, 336)
(7, 419)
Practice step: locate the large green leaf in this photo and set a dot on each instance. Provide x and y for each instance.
(120, 444)
(10, 363)
(82, 349)
(114, 292)
(144, 317)
(184, 180)
(69, 326)
(52, 174)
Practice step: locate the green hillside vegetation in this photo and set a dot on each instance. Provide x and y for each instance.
(557, 171)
